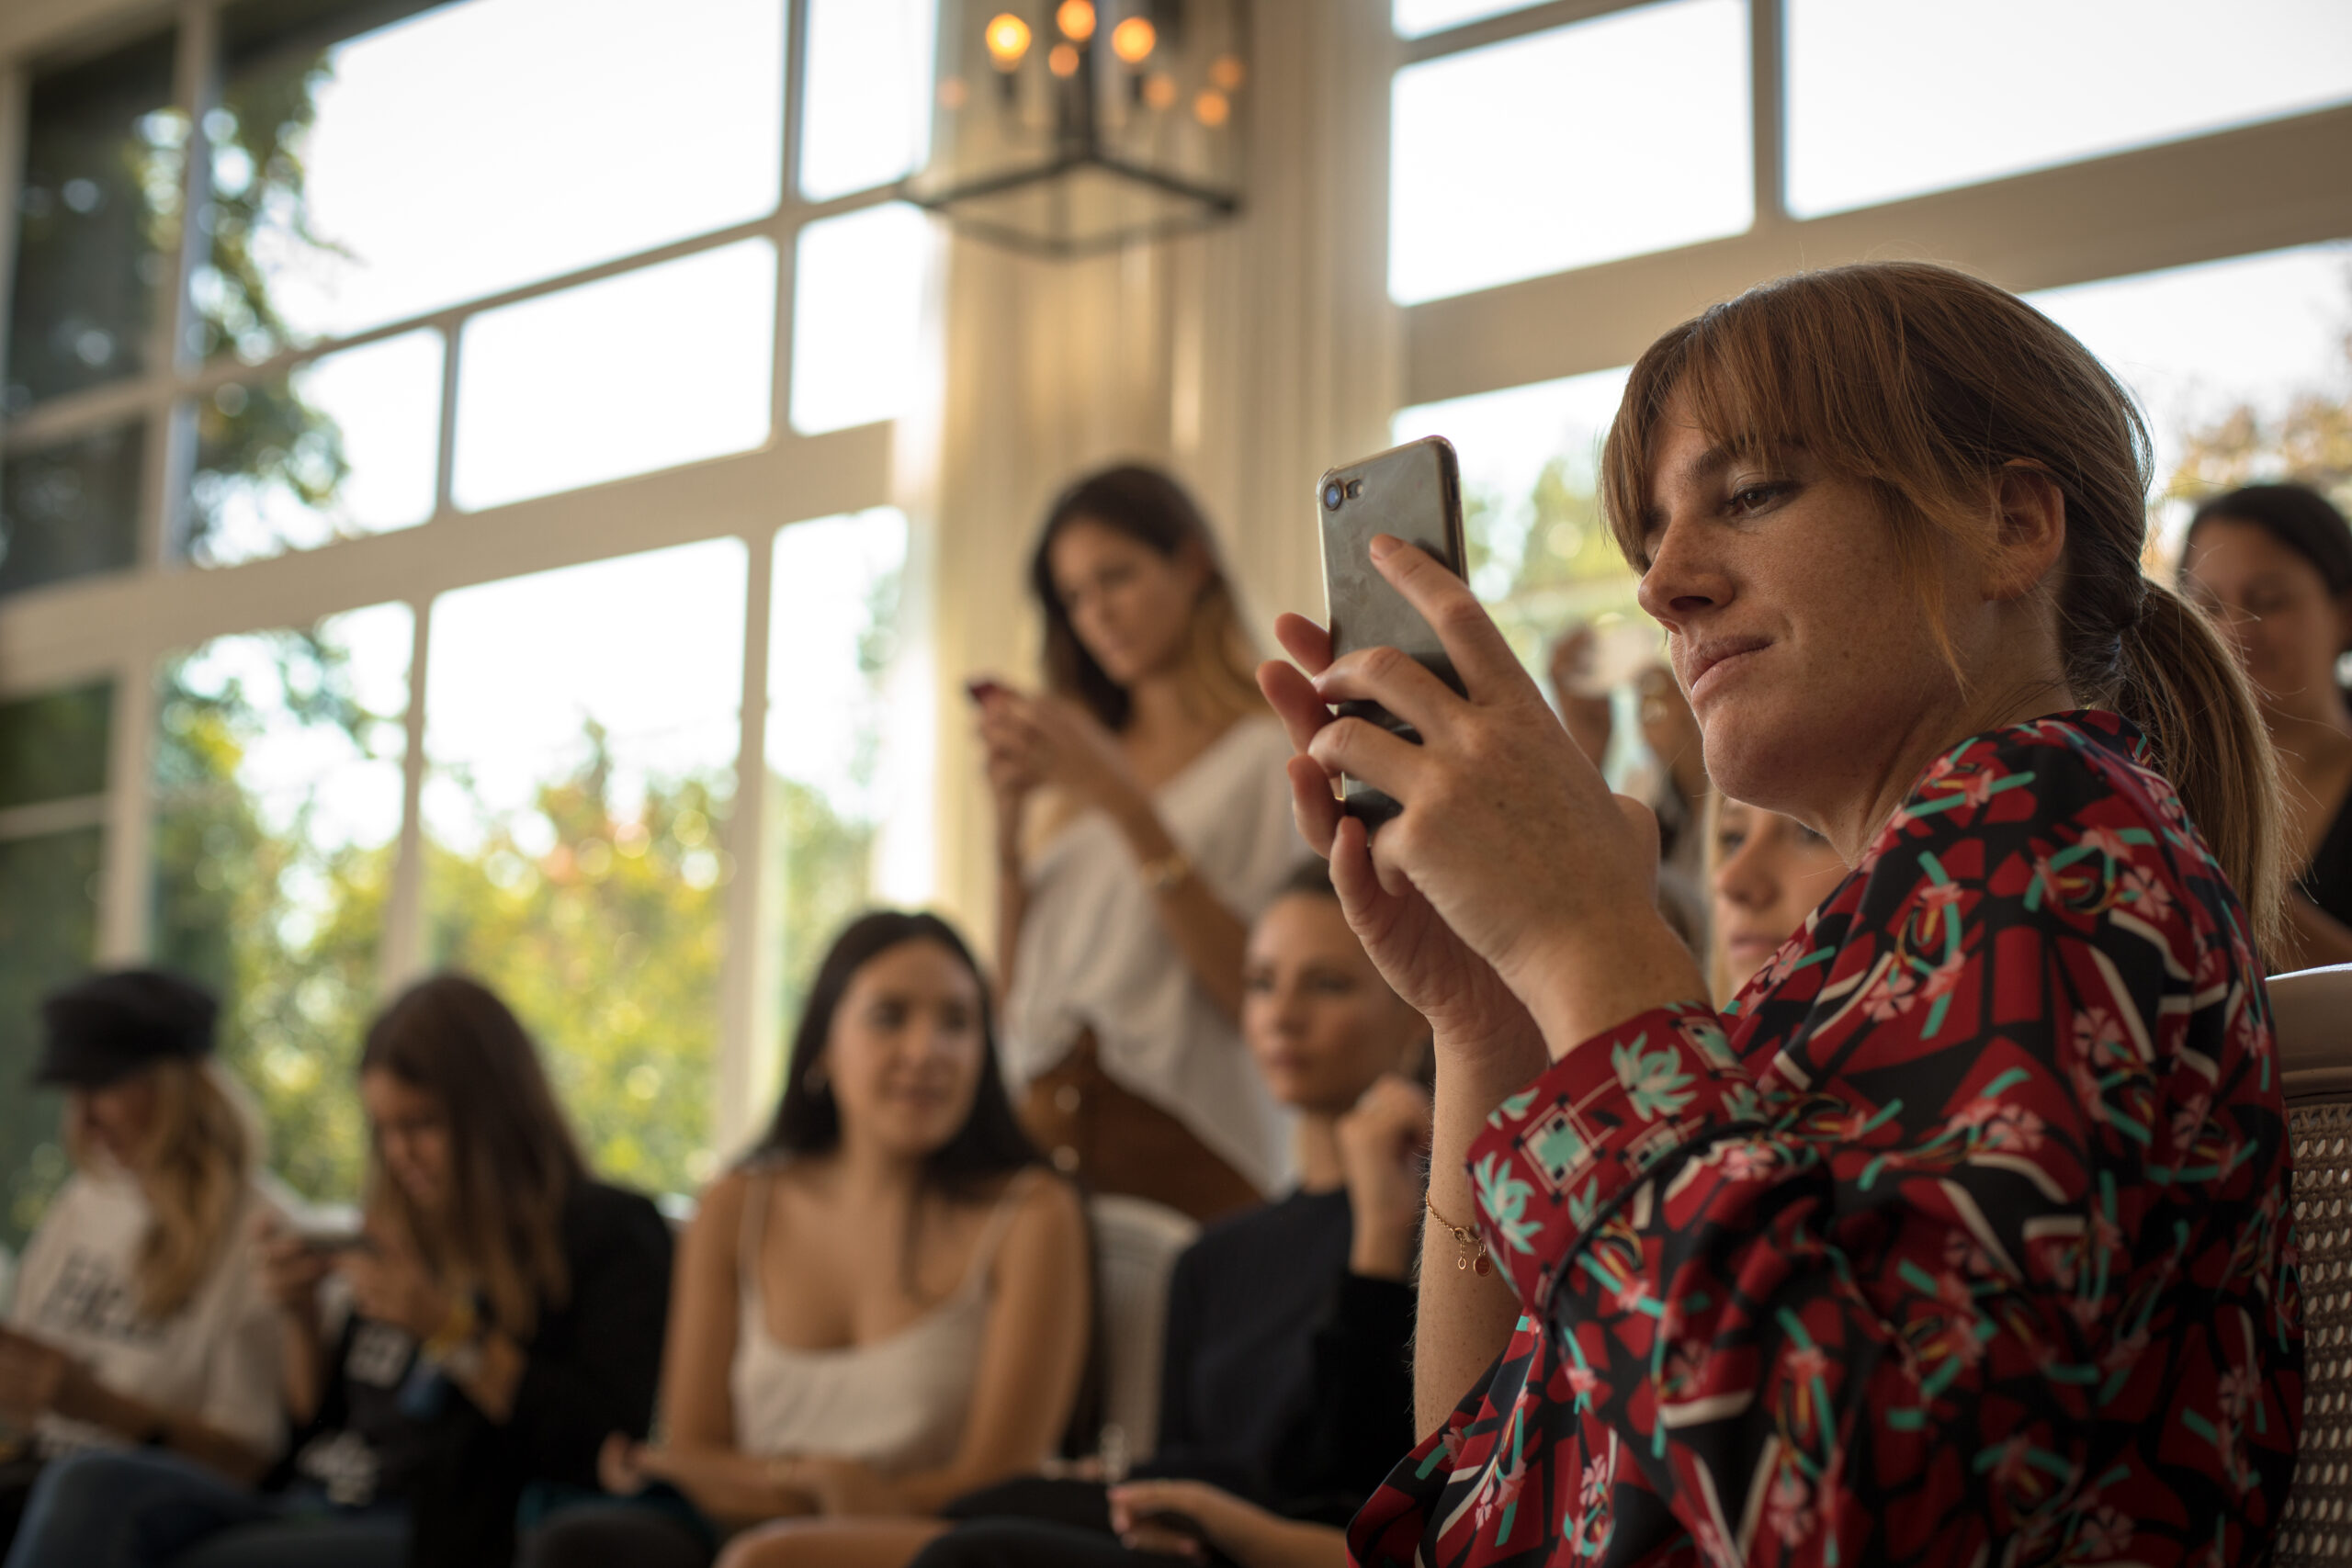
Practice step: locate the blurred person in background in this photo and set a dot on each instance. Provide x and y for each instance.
(1768, 873)
(1142, 821)
(500, 1313)
(139, 1318)
(1286, 1393)
(2273, 565)
(885, 1307)
(1675, 786)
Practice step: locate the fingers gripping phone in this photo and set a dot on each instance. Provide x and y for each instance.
(1414, 493)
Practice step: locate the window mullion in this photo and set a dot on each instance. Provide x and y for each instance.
(1767, 103)
(402, 957)
(746, 965)
(15, 103)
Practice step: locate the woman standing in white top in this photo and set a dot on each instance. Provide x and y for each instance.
(1142, 823)
(139, 1318)
(883, 1308)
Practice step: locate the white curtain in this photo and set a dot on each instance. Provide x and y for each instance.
(1247, 359)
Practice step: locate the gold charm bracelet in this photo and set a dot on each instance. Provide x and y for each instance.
(1473, 1244)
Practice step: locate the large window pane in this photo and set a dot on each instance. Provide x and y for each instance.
(479, 146)
(831, 785)
(866, 120)
(343, 446)
(1541, 555)
(654, 367)
(581, 733)
(97, 221)
(53, 779)
(1890, 98)
(857, 316)
(1609, 138)
(277, 796)
(53, 747)
(2244, 366)
(48, 931)
(70, 509)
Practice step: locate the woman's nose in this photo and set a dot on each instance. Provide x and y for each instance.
(1681, 581)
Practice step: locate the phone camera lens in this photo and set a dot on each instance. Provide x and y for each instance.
(1332, 496)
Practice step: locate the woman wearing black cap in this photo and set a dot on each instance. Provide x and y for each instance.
(502, 1313)
(138, 1316)
(2273, 564)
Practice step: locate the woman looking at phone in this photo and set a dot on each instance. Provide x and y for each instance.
(502, 1312)
(1966, 1242)
(139, 1318)
(1141, 822)
(2273, 564)
(885, 1307)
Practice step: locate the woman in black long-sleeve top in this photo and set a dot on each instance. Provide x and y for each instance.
(1287, 1382)
(500, 1315)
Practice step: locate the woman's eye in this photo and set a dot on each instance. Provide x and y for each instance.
(1753, 498)
(888, 1015)
(1260, 982)
(1727, 844)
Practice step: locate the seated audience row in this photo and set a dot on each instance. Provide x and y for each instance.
(483, 1349)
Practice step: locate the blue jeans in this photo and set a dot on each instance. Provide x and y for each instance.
(147, 1509)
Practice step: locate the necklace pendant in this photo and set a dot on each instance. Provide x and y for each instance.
(1485, 1267)
(1461, 1263)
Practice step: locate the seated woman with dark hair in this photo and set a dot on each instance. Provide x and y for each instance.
(2272, 564)
(1287, 1392)
(138, 1317)
(499, 1313)
(884, 1307)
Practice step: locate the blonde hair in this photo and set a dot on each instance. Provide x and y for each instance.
(202, 1149)
(1922, 384)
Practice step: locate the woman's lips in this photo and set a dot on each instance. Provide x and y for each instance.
(1714, 663)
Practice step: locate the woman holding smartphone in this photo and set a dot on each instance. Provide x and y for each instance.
(502, 1314)
(138, 1317)
(1142, 821)
(1966, 1241)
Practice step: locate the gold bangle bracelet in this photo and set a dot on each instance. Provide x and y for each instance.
(1473, 1244)
(1168, 873)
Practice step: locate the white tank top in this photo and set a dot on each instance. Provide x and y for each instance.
(900, 1404)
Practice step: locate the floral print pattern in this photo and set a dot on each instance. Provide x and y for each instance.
(1959, 1237)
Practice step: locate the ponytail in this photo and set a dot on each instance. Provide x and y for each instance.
(2189, 696)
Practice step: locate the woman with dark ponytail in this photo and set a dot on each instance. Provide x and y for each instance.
(1959, 1235)
(2272, 564)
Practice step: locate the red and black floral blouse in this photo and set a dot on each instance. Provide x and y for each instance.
(1961, 1237)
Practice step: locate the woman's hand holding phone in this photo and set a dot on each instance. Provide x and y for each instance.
(1513, 883)
(1036, 741)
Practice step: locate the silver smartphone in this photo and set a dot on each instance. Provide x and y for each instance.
(1412, 492)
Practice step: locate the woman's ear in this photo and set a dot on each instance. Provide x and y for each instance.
(2029, 537)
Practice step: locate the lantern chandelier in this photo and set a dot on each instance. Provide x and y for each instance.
(1063, 129)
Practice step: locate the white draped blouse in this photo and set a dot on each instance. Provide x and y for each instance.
(1095, 954)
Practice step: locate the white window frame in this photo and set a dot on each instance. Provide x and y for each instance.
(119, 625)
(2199, 199)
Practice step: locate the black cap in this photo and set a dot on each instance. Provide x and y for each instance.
(110, 1026)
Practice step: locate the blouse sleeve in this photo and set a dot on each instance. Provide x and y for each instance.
(2024, 1278)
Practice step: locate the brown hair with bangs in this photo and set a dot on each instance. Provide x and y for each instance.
(1922, 383)
(513, 1161)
